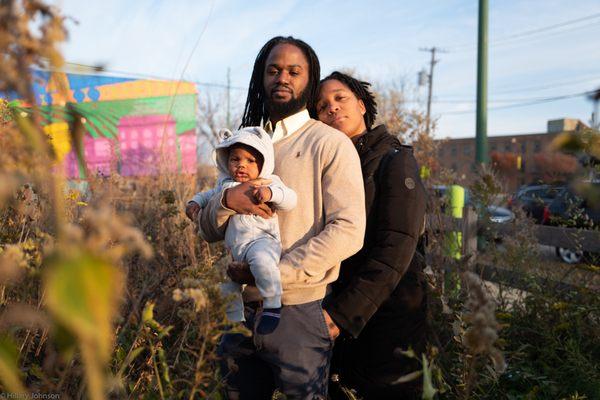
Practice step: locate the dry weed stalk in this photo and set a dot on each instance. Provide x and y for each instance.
(481, 331)
(72, 252)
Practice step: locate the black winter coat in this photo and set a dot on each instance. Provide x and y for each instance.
(379, 299)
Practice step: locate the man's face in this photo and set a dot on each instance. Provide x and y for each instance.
(285, 80)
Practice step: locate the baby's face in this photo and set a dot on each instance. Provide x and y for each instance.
(242, 165)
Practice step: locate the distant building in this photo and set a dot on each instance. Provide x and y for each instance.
(130, 126)
(526, 150)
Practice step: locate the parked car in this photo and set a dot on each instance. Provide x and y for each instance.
(496, 214)
(500, 215)
(570, 210)
(533, 199)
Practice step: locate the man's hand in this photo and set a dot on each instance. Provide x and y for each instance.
(241, 199)
(239, 272)
(191, 211)
(334, 331)
(263, 194)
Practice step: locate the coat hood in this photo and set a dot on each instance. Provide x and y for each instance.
(375, 143)
(378, 137)
(255, 137)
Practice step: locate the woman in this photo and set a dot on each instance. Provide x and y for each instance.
(379, 301)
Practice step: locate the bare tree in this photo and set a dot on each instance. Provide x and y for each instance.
(212, 116)
(408, 124)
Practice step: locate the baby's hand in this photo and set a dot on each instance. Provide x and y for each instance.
(191, 210)
(263, 194)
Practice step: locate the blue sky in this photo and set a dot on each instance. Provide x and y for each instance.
(380, 40)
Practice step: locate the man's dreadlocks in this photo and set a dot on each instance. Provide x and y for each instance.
(361, 90)
(255, 111)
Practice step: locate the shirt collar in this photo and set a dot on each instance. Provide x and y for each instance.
(288, 125)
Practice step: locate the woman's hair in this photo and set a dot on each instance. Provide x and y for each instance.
(361, 90)
(255, 111)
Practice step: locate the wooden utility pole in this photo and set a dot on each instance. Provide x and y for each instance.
(595, 97)
(432, 63)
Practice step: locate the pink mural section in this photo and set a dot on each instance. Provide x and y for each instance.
(189, 153)
(146, 145)
(99, 155)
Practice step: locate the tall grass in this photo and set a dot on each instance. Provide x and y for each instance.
(105, 292)
(108, 292)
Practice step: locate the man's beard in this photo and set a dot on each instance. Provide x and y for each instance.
(290, 107)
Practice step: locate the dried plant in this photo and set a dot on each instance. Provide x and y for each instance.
(87, 278)
(107, 292)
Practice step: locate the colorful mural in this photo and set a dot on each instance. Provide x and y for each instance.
(132, 126)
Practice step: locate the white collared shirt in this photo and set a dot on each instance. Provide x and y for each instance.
(287, 126)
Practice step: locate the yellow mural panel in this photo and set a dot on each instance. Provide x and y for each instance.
(58, 87)
(59, 138)
(144, 88)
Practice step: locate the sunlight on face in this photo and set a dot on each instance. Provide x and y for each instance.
(242, 165)
(339, 107)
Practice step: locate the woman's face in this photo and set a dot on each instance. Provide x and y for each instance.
(339, 107)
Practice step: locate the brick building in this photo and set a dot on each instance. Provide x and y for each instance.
(458, 155)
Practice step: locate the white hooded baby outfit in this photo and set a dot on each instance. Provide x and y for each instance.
(251, 238)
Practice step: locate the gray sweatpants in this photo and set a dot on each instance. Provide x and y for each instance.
(262, 254)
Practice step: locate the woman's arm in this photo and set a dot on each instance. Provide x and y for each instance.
(401, 209)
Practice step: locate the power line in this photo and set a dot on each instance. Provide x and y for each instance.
(525, 104)
(527, 40)
(187, 63)
(521, 89)
(501, 39)
(548, 86)
(521, 99)
(550, 27)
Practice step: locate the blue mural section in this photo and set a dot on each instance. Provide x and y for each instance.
(79, 84)
(83, 86)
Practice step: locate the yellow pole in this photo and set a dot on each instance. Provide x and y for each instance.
(457, 204)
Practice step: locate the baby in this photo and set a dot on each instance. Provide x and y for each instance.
(242, 156)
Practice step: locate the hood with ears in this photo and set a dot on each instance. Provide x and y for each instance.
(255, 137)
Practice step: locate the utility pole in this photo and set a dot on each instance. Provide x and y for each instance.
(595, 97)
(432, 63)
(481, 152)
(228, 98)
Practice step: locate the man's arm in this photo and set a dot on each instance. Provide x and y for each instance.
(400, 216)
(344, 211)
(224, 204)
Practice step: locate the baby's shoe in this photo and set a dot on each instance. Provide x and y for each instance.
(269, 319)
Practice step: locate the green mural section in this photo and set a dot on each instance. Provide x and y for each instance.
(102, 118)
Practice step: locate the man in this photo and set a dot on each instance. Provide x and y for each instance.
(327, 226)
